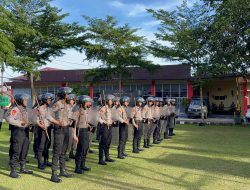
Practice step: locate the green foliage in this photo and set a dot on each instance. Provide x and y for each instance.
(229, 37)
(180, 36)
(116, 47)
(39, 33)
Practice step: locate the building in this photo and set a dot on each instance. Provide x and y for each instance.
(167, 81)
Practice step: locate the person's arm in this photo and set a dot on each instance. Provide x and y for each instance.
(101, 116)
(14, 118)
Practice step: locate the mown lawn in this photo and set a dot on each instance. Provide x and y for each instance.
(211, 157)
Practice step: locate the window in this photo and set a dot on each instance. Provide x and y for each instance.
(166, 90)
(175, 90)
(183, 90)
(158, 90)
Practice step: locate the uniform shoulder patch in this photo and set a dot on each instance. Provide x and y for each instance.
(13, 112)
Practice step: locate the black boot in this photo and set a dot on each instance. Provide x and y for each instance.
(14, 174)
(145, 144)
(41, 166)
(123, 151)
(64, 173)
(107, 157)
(139, 144)
(24, 170)
(47, 163)
(173, 132)
(120, 155)
(84, 167)
(78, 169)
(148, 143)
(71, 154)
(156, 141)
(55, 178)
(135, 149)
(101, 161)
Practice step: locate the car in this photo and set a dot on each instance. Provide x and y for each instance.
(194, 108)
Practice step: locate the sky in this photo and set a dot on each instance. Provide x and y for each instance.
(132, 12)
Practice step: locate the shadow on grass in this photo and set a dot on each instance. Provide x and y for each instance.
(223, 166)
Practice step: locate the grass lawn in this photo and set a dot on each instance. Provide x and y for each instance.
(211, 157)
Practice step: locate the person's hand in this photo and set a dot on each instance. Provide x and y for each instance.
(75, 139)
(136, 126)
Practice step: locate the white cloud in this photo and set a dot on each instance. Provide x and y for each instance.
(136, 10)
(151, 23)
(139, 9)
(116, 4)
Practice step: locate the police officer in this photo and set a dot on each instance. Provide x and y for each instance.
(136, 116)
(35, 127)
(157, 115)
(81, 115)
(147, 115)
(105, 120)
(44, 120)
(162, 121)
(98, 127)
(72, 146)
(19, 140)
(172, 117)
(61, 134)
(123, 127)
(166, 111)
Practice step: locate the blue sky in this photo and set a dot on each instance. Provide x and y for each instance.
(132, 12)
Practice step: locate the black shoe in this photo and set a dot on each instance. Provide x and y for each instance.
(55, 178)
(67, 158)
(25, 171)
(145, 144)
(71, 156)
(102, 162)
(91, 151)
(124, 154)
(120, 156)
(136, 151)
(139, 149)
(85, 168)
(156, 142)
(49, 164)
(148, 143)
(41, 166)
(14, 174)
(109, 160)
(27, 161)
(79, 171)
(63, 173)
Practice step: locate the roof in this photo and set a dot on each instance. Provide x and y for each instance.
(164, 72)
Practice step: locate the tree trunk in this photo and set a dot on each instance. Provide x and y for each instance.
(2, 70)
(32, 88)
(201, 102)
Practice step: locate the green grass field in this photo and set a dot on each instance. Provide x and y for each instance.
(211, 157)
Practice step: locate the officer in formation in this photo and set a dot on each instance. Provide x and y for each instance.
(44, 121)
(81, 117)
(70, 119)
(123, 127)
(61, 134)
(136, 116)
(17, 118)
(106, 122)
(71, 99)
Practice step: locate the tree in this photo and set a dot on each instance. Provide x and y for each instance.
(117, 47)
(44, 34)
(229, 37)
(181, 37)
